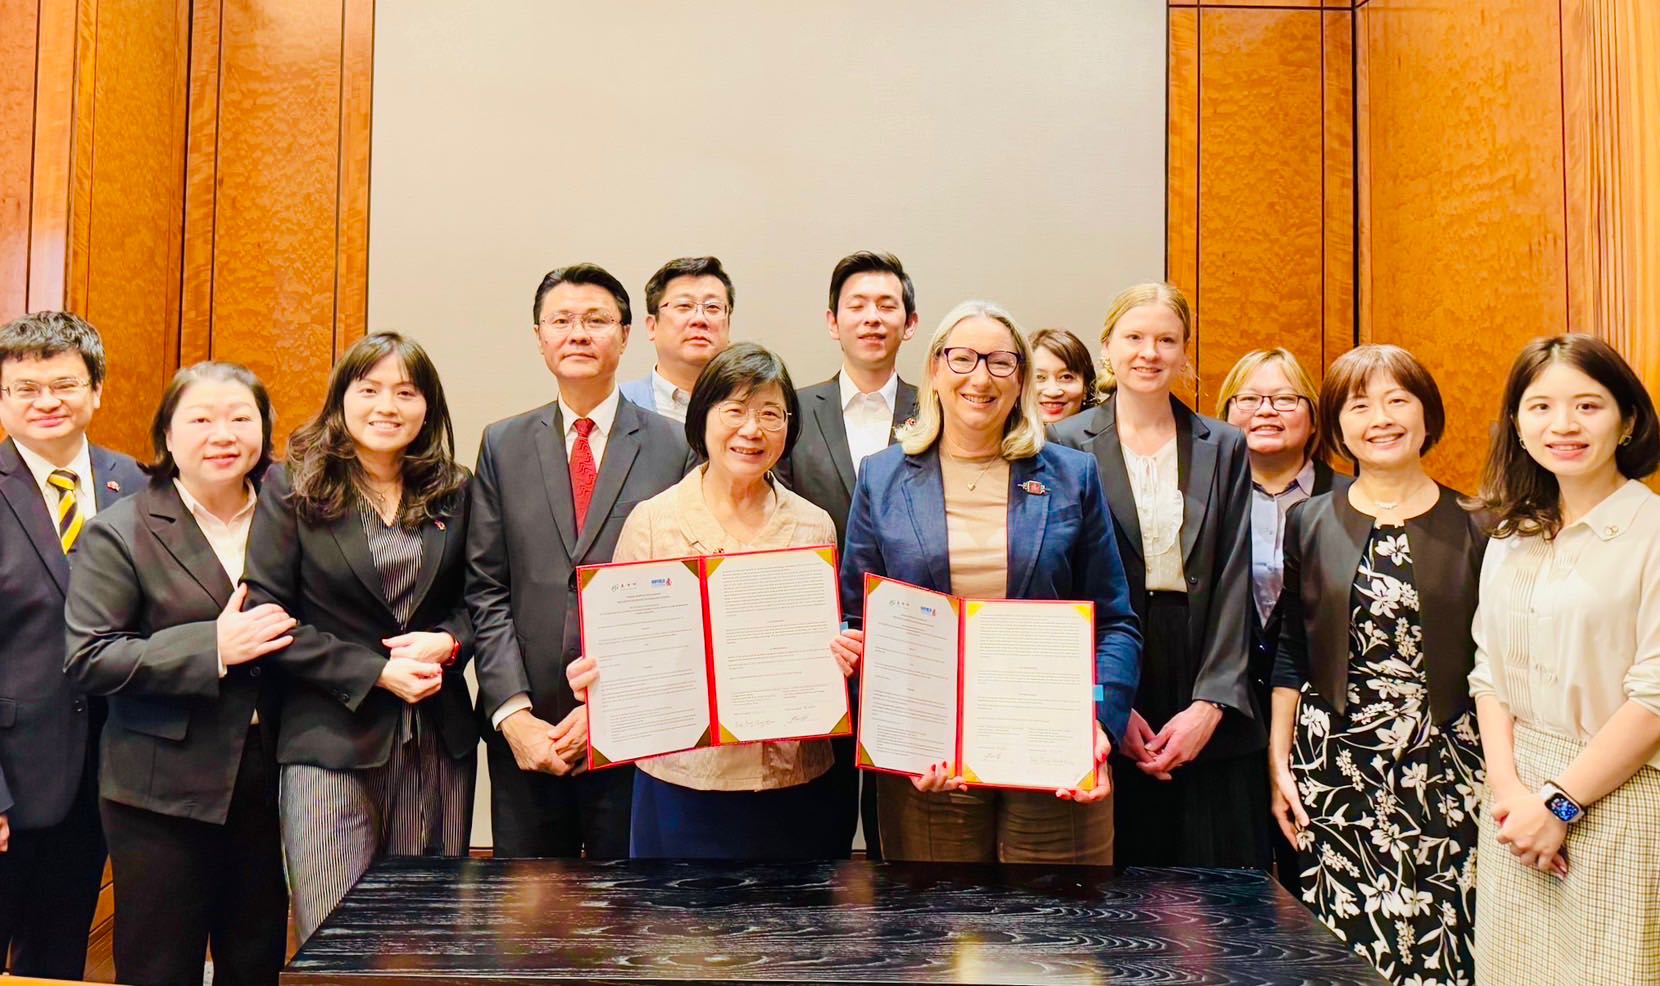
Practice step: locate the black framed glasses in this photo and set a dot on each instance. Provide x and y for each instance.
(1283, 403)
(999, 362)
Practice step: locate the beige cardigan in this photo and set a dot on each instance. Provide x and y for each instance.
(674, 523)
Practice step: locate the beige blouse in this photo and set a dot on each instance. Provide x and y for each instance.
(977, 524)
(1156, 482)
(1568, 630)
(675, 523)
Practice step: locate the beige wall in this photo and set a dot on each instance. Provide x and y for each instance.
(1009, 151)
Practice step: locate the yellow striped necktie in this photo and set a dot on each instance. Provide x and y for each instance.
(69, 513)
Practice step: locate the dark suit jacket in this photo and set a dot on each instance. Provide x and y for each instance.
(523, 549)
(1324, 539)
(332, 714)
(1060, 547)
(820, 467)
(1265, 637)
(143, 601)
(45, 724)
(1214, 471)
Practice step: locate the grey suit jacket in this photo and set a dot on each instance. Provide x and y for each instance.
(820, 468)
(1214, 472)
(523, 548)
(45, 723)
(144, 599)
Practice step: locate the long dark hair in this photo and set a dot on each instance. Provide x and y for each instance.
(324, 473)
(164, 467)
(1072, 352)
(1522, 497)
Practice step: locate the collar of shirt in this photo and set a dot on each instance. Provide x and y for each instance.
(889, 391)
(204, 515)
(1304, 483)
(1614, 515)
(81, 466)
(604, 414)
(666, 394)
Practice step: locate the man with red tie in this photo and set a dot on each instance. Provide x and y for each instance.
(552, 490)
(51, 482)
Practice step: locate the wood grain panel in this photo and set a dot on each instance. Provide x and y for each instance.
(54, 129)
(357, 52)
(1466, 219)
(201, 187)
(128, 203)
(1181, 250)
(19, 25)
(1338, 210)
(1261, 173)
(278, 168)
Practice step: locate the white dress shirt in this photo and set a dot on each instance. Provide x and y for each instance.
(1568, 630)
(227, 538)
(670, 401)
(867, 418)
(86, 501)
(604, 417)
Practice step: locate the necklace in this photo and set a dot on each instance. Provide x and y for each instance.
(1388, 505)
(983, 470)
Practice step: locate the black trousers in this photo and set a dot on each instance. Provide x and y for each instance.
(49, 882)
(182, 885)
(854, 800)
(536, 814)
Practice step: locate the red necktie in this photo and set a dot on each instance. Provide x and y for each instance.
(583, 472)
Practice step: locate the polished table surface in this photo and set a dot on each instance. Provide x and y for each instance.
(437, 921)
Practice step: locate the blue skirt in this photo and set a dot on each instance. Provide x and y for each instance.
(787, 823)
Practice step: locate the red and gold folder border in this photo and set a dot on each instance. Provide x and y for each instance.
(964, 608)
(701, 567)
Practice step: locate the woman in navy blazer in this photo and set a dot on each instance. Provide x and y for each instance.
(973, 502)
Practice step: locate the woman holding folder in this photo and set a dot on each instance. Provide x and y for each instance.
(974, 503)
(769, 800)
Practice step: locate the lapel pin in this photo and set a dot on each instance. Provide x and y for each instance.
(438, 524)
(113, 486)
(1035, 488)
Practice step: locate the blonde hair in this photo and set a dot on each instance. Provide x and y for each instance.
(1300, 382)
(1148, 293)
(1022, 432)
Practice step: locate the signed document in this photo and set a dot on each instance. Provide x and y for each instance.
(1002, 690)
(711, 650)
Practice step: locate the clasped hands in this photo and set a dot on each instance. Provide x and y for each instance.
(1528, 829)
(1176, 745)
(415, 664)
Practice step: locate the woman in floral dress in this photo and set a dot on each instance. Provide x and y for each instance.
(1374, 754)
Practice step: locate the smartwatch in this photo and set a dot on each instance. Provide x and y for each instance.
(1559, 803)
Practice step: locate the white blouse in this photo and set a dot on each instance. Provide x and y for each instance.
(1568, 630)
(1156, 483)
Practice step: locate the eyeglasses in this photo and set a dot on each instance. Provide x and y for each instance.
(29, 391)
(713, 310)
(999, 363)
(733, 415)
(1279, 402)
(594, 322)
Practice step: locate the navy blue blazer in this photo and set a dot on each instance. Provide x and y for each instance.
(1061, 546)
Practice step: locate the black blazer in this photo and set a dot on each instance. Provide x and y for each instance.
(143, 601)
(1214, 471)
(332, 714)
(1324, 539)
(523, 549)
(1265, 637)
(45, 724)
(820, 467)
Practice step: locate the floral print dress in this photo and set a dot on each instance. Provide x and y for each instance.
(1388, 859)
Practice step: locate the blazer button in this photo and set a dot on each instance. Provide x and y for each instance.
(253, 672)
(79, 705)
(1193, 580)
(343, 697)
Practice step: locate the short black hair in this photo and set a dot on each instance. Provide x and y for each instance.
(42, 335)
(866, 262)
(686, 267)
(738, 371)
(164, 467)
(582, 274)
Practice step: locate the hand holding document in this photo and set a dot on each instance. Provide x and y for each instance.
(1003, 690)
(712, 650)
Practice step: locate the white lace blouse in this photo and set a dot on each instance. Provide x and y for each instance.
(1158, 505)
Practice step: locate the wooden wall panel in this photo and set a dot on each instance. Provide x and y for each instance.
(19, 27)
(351, 311)
(1464, 232)
(1338, 211)
(1181, 260)
(1261, 187)
(53, 133)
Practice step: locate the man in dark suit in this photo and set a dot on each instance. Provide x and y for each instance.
(51, 482)
(872, 311)
(553, 488)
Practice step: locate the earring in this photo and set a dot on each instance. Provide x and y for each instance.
(1520, 442)
(1627, 439)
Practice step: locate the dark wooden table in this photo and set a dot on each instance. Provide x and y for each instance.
(467, 921)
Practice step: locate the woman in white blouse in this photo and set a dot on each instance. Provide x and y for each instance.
(1567, 675)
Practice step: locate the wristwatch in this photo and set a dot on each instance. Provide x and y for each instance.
(1561, 804)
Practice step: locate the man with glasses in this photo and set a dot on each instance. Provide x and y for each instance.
(872, 311)
(552, 490)
(51, 482)
(688, 320)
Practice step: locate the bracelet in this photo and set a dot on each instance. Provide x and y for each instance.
(455, 652)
